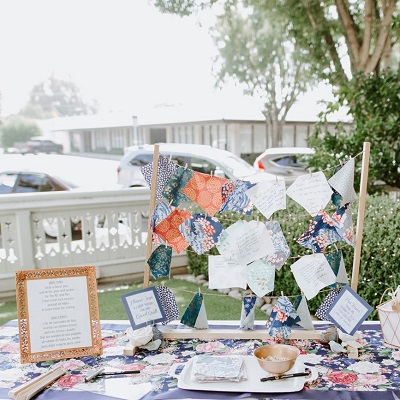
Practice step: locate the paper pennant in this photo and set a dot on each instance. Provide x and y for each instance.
(282, 318)
(205, 190)
(311, 191)
(195, 315)
(168, 229)
(248, 240)
(312, 273)
(321, 313)
(343, 182)
(320, 234)
(260, 276)
(268, 196)
(160, 261)
(303, 312)
(248, 312)
(336, 261)
(343, 222)
(168, 302)
(225, 274)
(160, 212)
(237, 199)
(281, 249)
(202, 232)
(165, 169)
(173, 187)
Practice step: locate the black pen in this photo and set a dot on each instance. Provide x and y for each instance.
(277, 377)
(100, 372)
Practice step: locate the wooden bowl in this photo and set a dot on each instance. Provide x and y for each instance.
(276, 358)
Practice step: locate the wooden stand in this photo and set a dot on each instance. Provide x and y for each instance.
(189, 333)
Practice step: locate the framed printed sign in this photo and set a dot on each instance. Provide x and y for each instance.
(58, 313)
(143, 307)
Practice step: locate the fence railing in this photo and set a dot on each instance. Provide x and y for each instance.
(107, 229)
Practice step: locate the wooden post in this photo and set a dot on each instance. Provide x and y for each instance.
(360, 216)
(151, 209)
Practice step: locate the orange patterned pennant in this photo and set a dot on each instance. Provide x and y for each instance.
(168, 230)
(206, 191)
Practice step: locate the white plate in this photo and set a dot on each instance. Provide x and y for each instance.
(252, 384)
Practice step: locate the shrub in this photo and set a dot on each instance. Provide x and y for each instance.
(379, 265)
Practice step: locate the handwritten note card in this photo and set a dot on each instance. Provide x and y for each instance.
(311, 191)
(260, 276)
(268, 196)
(312, 273)
(58, 313)
(225, 274)
(349, 311)
(143, 307)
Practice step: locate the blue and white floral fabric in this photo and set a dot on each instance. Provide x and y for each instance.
(235, 198)
(174, 186)
(283, 317)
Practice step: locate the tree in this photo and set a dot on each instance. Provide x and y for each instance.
(256, 51)
(57, 98)
(375, 112)
(18, 129)
(341, 37)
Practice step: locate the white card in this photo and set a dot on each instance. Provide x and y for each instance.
(343, 182)
(312, 273)
(311, 191)
(268, 196)
(342, 273)
(304, 314)
(260, 276)
(225, 274)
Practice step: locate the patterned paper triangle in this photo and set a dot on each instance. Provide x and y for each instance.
(321, 313)
(206, 191)
(173, 188)
(165, 169)
(237, 199)
(160, 261)
(303, 312)
(248, 312)
(195, 314)
(168, 302)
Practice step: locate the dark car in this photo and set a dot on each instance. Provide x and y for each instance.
(27, 181)
(41, 145)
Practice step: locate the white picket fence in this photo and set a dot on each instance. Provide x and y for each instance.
(36, 231)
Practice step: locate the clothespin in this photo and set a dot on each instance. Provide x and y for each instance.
(186, 166)
(170, 157)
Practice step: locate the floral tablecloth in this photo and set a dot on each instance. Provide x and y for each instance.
(377, 368)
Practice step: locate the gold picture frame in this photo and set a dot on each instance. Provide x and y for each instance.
(58, 313)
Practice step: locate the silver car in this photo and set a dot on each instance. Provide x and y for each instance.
(200, 158)
(286, 162)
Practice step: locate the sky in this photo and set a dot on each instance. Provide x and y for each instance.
(125, 54)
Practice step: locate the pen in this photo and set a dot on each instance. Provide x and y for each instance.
(137, 371)
(277, 377)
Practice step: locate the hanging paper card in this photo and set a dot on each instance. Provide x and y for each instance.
(168, 302)
(195, 315)
(173, 188)
(250, 241)
(160, 261)
(343, 222)
(268, 196)
(160, 212)
(336, 261)
(143, 307)
(311, 191)
(312, 273)
(343, 182)
(282, 318)
(225, 274)
(165, 169)
(205, 190)
(349, 311)
(281, 248)
(168, 229)
(202, 232)
(320, 234)
(322, 310)
(238, 200)
(248, 312)
(260, 276)
(227, 236)
(303, 312)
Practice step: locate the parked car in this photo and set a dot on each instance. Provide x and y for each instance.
(286, 162)
(38, 145)
(200, 158)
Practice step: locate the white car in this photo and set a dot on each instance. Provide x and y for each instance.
(200, 158)
(286, 162)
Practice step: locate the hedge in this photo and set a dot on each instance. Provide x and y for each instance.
(379, 265)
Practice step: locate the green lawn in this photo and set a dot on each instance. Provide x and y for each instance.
(218, 306)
